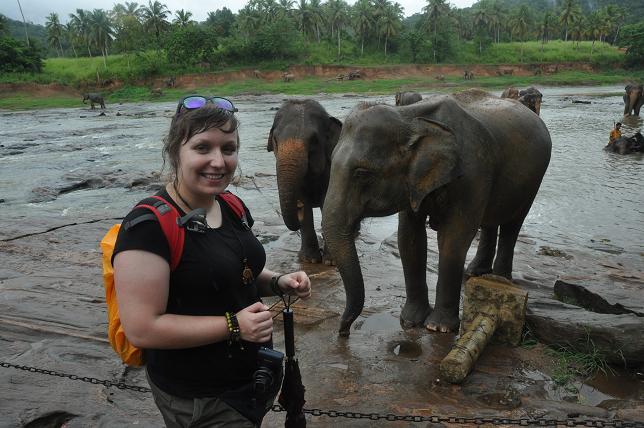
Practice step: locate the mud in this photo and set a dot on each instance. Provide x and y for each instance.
(586, 225)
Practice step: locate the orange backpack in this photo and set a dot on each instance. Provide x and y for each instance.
(174, 230)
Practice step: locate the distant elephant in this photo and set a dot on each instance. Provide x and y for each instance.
(94, 98)
(531, 98)
(633, 99)
(303, 137)
(511, 92)
(627, 145)
(406, 98)
(467, 161)
(287, 77)
(468, 75)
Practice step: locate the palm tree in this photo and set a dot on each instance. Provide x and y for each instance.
(102, 32)
(154, 16)
(435, 11)
(317, 17)
(391, 22)
(72, 36)
(594, 28)
(362, 20)
(336, 10)
(82, 23)
(285, 8)
(55, 32)
(303, 17)
(521, 23)
(183, 18)
(481, 23)
(569, 13)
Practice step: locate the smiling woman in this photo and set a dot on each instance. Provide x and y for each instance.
(201, 321)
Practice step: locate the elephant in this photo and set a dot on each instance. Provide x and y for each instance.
(94, 98)
(406, 98)
(633, 99)
(468, 160)
(511, 92)
(302, 138)
(287, 77)
(627, 145)
(531, 98)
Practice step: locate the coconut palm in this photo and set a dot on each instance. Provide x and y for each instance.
(155, 18)
(362, 20)
(435, 11)
(82, 23)
(391, 21)
(337, 18)
(481, 23)
(569, 13)
(521, 23)
(303, 17)
(72, 36)
(182, 18)
(317, 17)
(102, 31)
(55, 32)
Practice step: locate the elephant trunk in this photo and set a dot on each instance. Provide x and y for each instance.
(292, 162)
(339, 235)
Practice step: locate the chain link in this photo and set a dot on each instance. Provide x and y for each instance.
(599, 423)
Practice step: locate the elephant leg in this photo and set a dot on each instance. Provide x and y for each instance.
(453, 242)
(310, 249)
(508, 235)
(412, 244)
(482, 262)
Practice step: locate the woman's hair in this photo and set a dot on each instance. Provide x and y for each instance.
(188, 123)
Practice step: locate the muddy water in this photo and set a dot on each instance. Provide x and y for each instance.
(63, 167)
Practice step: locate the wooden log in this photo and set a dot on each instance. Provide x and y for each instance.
(460, 360)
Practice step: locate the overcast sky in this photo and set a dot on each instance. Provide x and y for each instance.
(36, 11)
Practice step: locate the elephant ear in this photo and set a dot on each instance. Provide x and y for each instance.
(333, 134)
(269, 145)
(435, 158)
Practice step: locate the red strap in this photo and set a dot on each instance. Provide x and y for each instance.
(235, 204)
(173, 233)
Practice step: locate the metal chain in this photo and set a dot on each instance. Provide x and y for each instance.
(600, 423)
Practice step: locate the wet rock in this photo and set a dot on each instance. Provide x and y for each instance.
(56, 419)
(547, 251)
(562, 409)
(580, 296)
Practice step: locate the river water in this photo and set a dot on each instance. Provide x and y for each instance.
(589, 198)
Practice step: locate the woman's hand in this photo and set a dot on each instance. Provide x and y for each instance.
(295, 283)
(255, 323)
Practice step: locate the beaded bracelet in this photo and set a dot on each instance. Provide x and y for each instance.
(274, 285)
(233, 328)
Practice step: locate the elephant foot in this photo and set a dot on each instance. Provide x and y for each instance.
(327, 259)
(310, 255)
(504, 273)
(414, 314)
(477, 270)
(442, 321)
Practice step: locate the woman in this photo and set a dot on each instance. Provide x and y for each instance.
(201, 324)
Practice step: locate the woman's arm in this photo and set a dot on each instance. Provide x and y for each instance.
(142, 285)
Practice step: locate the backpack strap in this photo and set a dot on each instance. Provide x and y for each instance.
(167, 215)
(236, 205)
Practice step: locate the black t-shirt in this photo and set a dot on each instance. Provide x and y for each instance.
(207, 281)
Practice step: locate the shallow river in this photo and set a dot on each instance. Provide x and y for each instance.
(589, 198)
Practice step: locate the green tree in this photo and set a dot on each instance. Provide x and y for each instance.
(17, 56)
(182, 18)
(82, 22)
(102, 32)
(155, 16)
(435, 13)
(569, 13)
(221, 21)
(190, 45)
(633, 40)
(4, 26)
(72, 36)
(362, 18)
(390, 22)
(128, 27)
(481, 23)
(337, 19)
(55, 31)
(521, 22)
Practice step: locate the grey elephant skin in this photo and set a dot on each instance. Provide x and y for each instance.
(94, 98)
(633, 99)
(627, 145)
(302, 138)
(467, 161)
(407, 98)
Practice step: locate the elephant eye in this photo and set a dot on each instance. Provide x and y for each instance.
(362, 173)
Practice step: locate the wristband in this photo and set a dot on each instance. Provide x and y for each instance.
(233, 328)
(275, 287)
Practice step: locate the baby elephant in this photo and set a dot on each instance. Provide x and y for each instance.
(94, 98)
(407, 98)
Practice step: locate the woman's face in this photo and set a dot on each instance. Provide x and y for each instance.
(207, 162)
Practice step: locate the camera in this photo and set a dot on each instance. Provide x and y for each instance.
(269, 363)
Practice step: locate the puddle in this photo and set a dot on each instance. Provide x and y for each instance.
(406, 349)
(383, 321)
(618, 385)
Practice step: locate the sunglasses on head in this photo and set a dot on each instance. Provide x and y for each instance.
(192, 102)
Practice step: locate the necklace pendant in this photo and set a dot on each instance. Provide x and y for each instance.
(247, 274)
